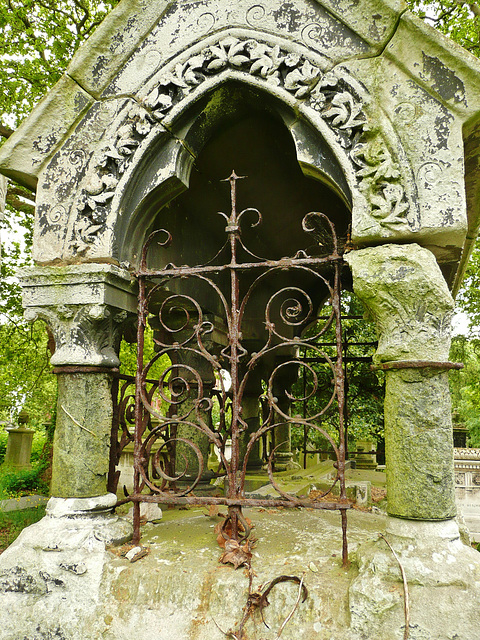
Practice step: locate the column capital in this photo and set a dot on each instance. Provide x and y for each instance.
(405, 293)
(86, 306)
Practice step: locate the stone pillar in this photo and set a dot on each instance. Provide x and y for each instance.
(404, 292)
(283, 380)
(251, 413)
(19, 444)
(85, 307)
(186, 459)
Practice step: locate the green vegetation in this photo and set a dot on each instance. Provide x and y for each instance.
(13, 522)
(37, 41)
(365, 388)
(22, 483)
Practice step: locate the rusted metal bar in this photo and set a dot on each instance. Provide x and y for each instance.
(416, 364)
(84, 369)
(240, 502)
(284, 263)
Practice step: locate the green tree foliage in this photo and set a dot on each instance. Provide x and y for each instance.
(469, 296)
(458, 19)
(26, 379)
(37, 40)
(465, 386)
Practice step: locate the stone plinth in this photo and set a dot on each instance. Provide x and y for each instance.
(364, 458)
(19, 448)
(467, 488)
(59, 581)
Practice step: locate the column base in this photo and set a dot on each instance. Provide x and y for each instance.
(284, 462)
(57, 566)
(90, 513)
(440, 570)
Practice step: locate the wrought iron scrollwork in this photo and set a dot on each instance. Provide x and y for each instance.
(178, 400)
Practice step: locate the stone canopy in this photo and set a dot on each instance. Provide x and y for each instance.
(382, 112)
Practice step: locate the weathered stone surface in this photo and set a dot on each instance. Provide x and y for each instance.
(443, 582)
(403, 187)
(110, 46)
(431, 139)
(40, 135)
(65, 175)
(376, 24)
(303, 22)
(59, 507)
(87, 284)
(52, 576)
(405, 293)
(442, 66)
(180, 591)
(82, 435)
(419, 445)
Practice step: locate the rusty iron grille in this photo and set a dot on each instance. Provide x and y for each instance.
(206, 383)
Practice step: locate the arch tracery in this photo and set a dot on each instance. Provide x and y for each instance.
(337, 105)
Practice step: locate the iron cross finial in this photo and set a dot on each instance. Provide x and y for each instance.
(233, 191)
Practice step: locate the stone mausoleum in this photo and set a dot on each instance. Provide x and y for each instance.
(352, 109)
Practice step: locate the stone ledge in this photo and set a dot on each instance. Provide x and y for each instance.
(78, 284)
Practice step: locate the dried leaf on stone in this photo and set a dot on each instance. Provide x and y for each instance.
(236, 553)
(214, 511)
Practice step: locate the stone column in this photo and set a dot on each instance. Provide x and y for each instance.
(186, 459)
(85, 307)
(404, 292)
(282, 384)
(251, 413)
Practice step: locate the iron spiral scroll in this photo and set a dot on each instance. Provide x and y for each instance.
(170, 406)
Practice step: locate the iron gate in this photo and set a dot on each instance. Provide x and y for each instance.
(202, 378)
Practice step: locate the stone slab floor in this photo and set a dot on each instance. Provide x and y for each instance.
(181, 591)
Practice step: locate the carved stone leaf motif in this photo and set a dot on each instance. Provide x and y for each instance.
(345, 113)
(377, 172)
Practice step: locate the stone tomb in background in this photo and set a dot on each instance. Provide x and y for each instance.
(467, 488)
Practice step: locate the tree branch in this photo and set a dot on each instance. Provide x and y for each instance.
(473, 6)
(5, 132)
(19, 205)
(24, 193)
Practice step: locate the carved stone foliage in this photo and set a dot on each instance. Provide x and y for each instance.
(404, 292)
(331, 95)
(84, 334)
